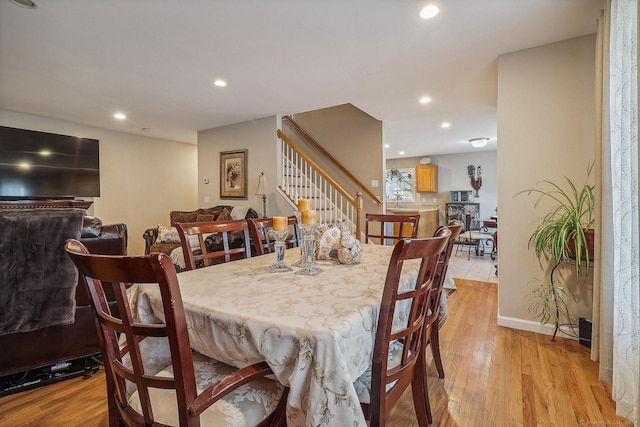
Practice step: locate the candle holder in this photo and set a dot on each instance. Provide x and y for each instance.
(301, 261)
(309, 267)
(279, 246)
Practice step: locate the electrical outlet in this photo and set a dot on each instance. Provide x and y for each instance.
(374, 183)
(206, 199)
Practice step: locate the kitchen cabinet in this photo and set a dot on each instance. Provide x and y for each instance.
(427, 178)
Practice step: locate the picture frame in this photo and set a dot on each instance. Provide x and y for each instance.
(233, 174)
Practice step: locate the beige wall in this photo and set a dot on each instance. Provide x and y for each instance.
(355, 139)
(257, 136)
(546, 124)
(141, 178)
(345, 131)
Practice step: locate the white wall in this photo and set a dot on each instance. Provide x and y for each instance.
(142, 178)
(546, 127)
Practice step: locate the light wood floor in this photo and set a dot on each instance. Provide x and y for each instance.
(494, 377)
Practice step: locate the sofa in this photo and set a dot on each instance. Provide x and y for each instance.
(165, 239)
(40, 343)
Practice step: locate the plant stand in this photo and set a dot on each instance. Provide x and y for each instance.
(559, 301)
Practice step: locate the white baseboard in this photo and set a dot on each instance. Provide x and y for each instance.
(530, 326)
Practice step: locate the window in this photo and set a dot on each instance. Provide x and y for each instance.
(399, 185)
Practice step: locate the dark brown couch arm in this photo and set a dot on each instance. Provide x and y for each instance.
(150, 236)
(112, 240)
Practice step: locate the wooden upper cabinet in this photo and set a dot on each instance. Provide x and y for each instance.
(427, 178)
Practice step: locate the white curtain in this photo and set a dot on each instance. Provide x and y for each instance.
(619, 278)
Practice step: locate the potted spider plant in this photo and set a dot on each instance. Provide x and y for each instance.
(564, 233)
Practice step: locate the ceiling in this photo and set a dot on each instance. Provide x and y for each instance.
(156, 61)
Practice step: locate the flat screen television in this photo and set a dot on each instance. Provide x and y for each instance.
(39, 165)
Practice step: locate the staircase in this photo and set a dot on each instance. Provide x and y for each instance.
(301, 177)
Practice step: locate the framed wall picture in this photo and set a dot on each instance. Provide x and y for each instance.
(233, 174)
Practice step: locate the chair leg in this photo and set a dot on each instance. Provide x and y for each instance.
(420, 392)
(435, 350)
(280, 414)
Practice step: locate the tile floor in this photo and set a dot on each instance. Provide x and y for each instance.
(474, 268)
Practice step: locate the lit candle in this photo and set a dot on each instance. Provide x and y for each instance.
(309, 217)
(280, 223)
(304, 205)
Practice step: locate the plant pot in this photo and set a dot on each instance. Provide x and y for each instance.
(589, 235)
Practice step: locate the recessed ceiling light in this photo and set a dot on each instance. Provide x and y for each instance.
(429, 12)
(119, 116)
(401, 153)
(45, 153)
(445, 125)
(425, 100)
(386, 145)
(24, 3)
(24, 165)
(220, 83)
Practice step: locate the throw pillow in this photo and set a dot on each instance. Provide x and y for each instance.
(194, 241)
(205, 218)
(182, 216)
(225, 215)
(167, 235)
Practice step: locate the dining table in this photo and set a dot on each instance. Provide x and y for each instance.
(316, 332)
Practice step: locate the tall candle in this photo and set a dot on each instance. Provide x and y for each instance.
(280, 223)
(309, 217)
(304, 205)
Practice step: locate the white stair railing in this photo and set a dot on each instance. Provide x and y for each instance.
(301, 177)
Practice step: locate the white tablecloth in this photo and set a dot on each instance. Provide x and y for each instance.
(315, 332)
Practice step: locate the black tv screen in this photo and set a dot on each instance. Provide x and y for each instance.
(40, 165)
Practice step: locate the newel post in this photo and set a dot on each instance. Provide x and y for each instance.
(359, 205)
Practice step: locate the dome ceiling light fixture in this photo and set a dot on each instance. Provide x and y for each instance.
(478, 142)
(25, 3)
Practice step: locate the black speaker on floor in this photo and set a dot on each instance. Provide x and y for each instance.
(584, 330)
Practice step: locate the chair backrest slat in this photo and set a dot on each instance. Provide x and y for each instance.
(125, 363)
(455, 227)
(403, 226)
(219, 233)
(263, 241)
(409, 332)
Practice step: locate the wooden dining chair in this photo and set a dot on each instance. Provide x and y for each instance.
(404, 225)
(396, 356)
(432, 322)
(188, 389)
(263, 242)
(218, 241)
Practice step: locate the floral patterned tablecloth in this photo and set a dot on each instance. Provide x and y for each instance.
(316, 332)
